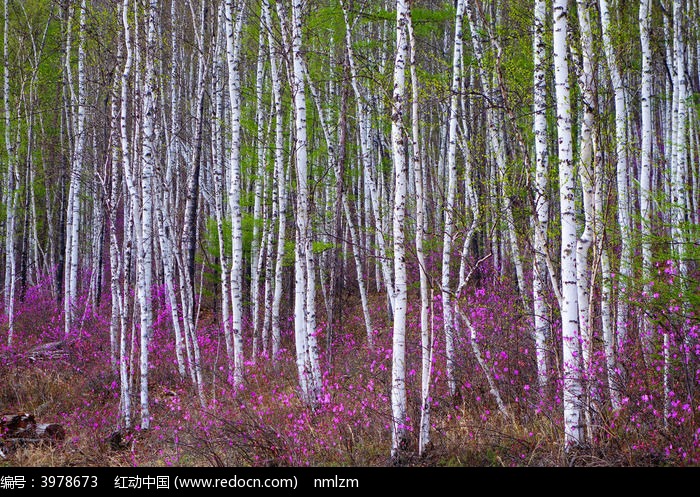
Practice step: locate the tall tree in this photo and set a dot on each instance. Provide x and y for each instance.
(541, 194)
(145, 255)
(645, 194)
(130, 203)
(399, 409)
(573, 410)
(678, 189)
(586, 174)
(622, 174)
(450, 201)
(280, 183)
(304, 279)
(233, 48)
(73, 215)
(9, 194)
(421, 228)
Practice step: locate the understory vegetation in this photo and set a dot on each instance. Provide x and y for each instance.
(264, 423)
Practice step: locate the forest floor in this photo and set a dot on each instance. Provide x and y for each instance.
(263, 422)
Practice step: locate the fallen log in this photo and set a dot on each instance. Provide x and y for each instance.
(22, 429)
(11, 423)
(48, 351)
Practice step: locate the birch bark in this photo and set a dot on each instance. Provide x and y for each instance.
(573, 415)
(399, 409)
(233, 44)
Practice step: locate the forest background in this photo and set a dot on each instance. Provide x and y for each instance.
(352, 233)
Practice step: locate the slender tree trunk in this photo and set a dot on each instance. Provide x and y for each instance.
(112, 201)
(541, 203)
(645, 171)
(219, 160)
(131, 209)
(573, 415)
(305, 288)
(450, 207)
(586, 170)
(421, 228)
(145, 257)
(258, 178)
(9, 188)
(365, 153)
(233, 43)
(679, 195)
(280, 185)
(623, 197)
(73, 214)
(399, 410)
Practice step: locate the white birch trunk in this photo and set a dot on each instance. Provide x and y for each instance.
(679, 195)
(145, 258)
(421, 228)
(449, 207)
(645, 171)
(304, 300)
(399, 410)
(258, 180)
(573, 419)
(219, 160)
(9, 191)
(115, 260)
(541, 202)
(233, 42)
(279, 185)
(586, 176)
(131, 208)
(73, 214)
(623, 196)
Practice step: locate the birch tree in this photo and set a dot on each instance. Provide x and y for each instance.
(646, 158)
(145, 254)
(586, 172)
(233, 36)
(449, 208)
(622, 175)
(131, 204)
(220, 181)
(8, 190)
(421, 228)
(399, 408)
(573, 414)
(73, 215)
(541, 203)
(304, 297)
(678, 189)
(258, 179)
(280, 183)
